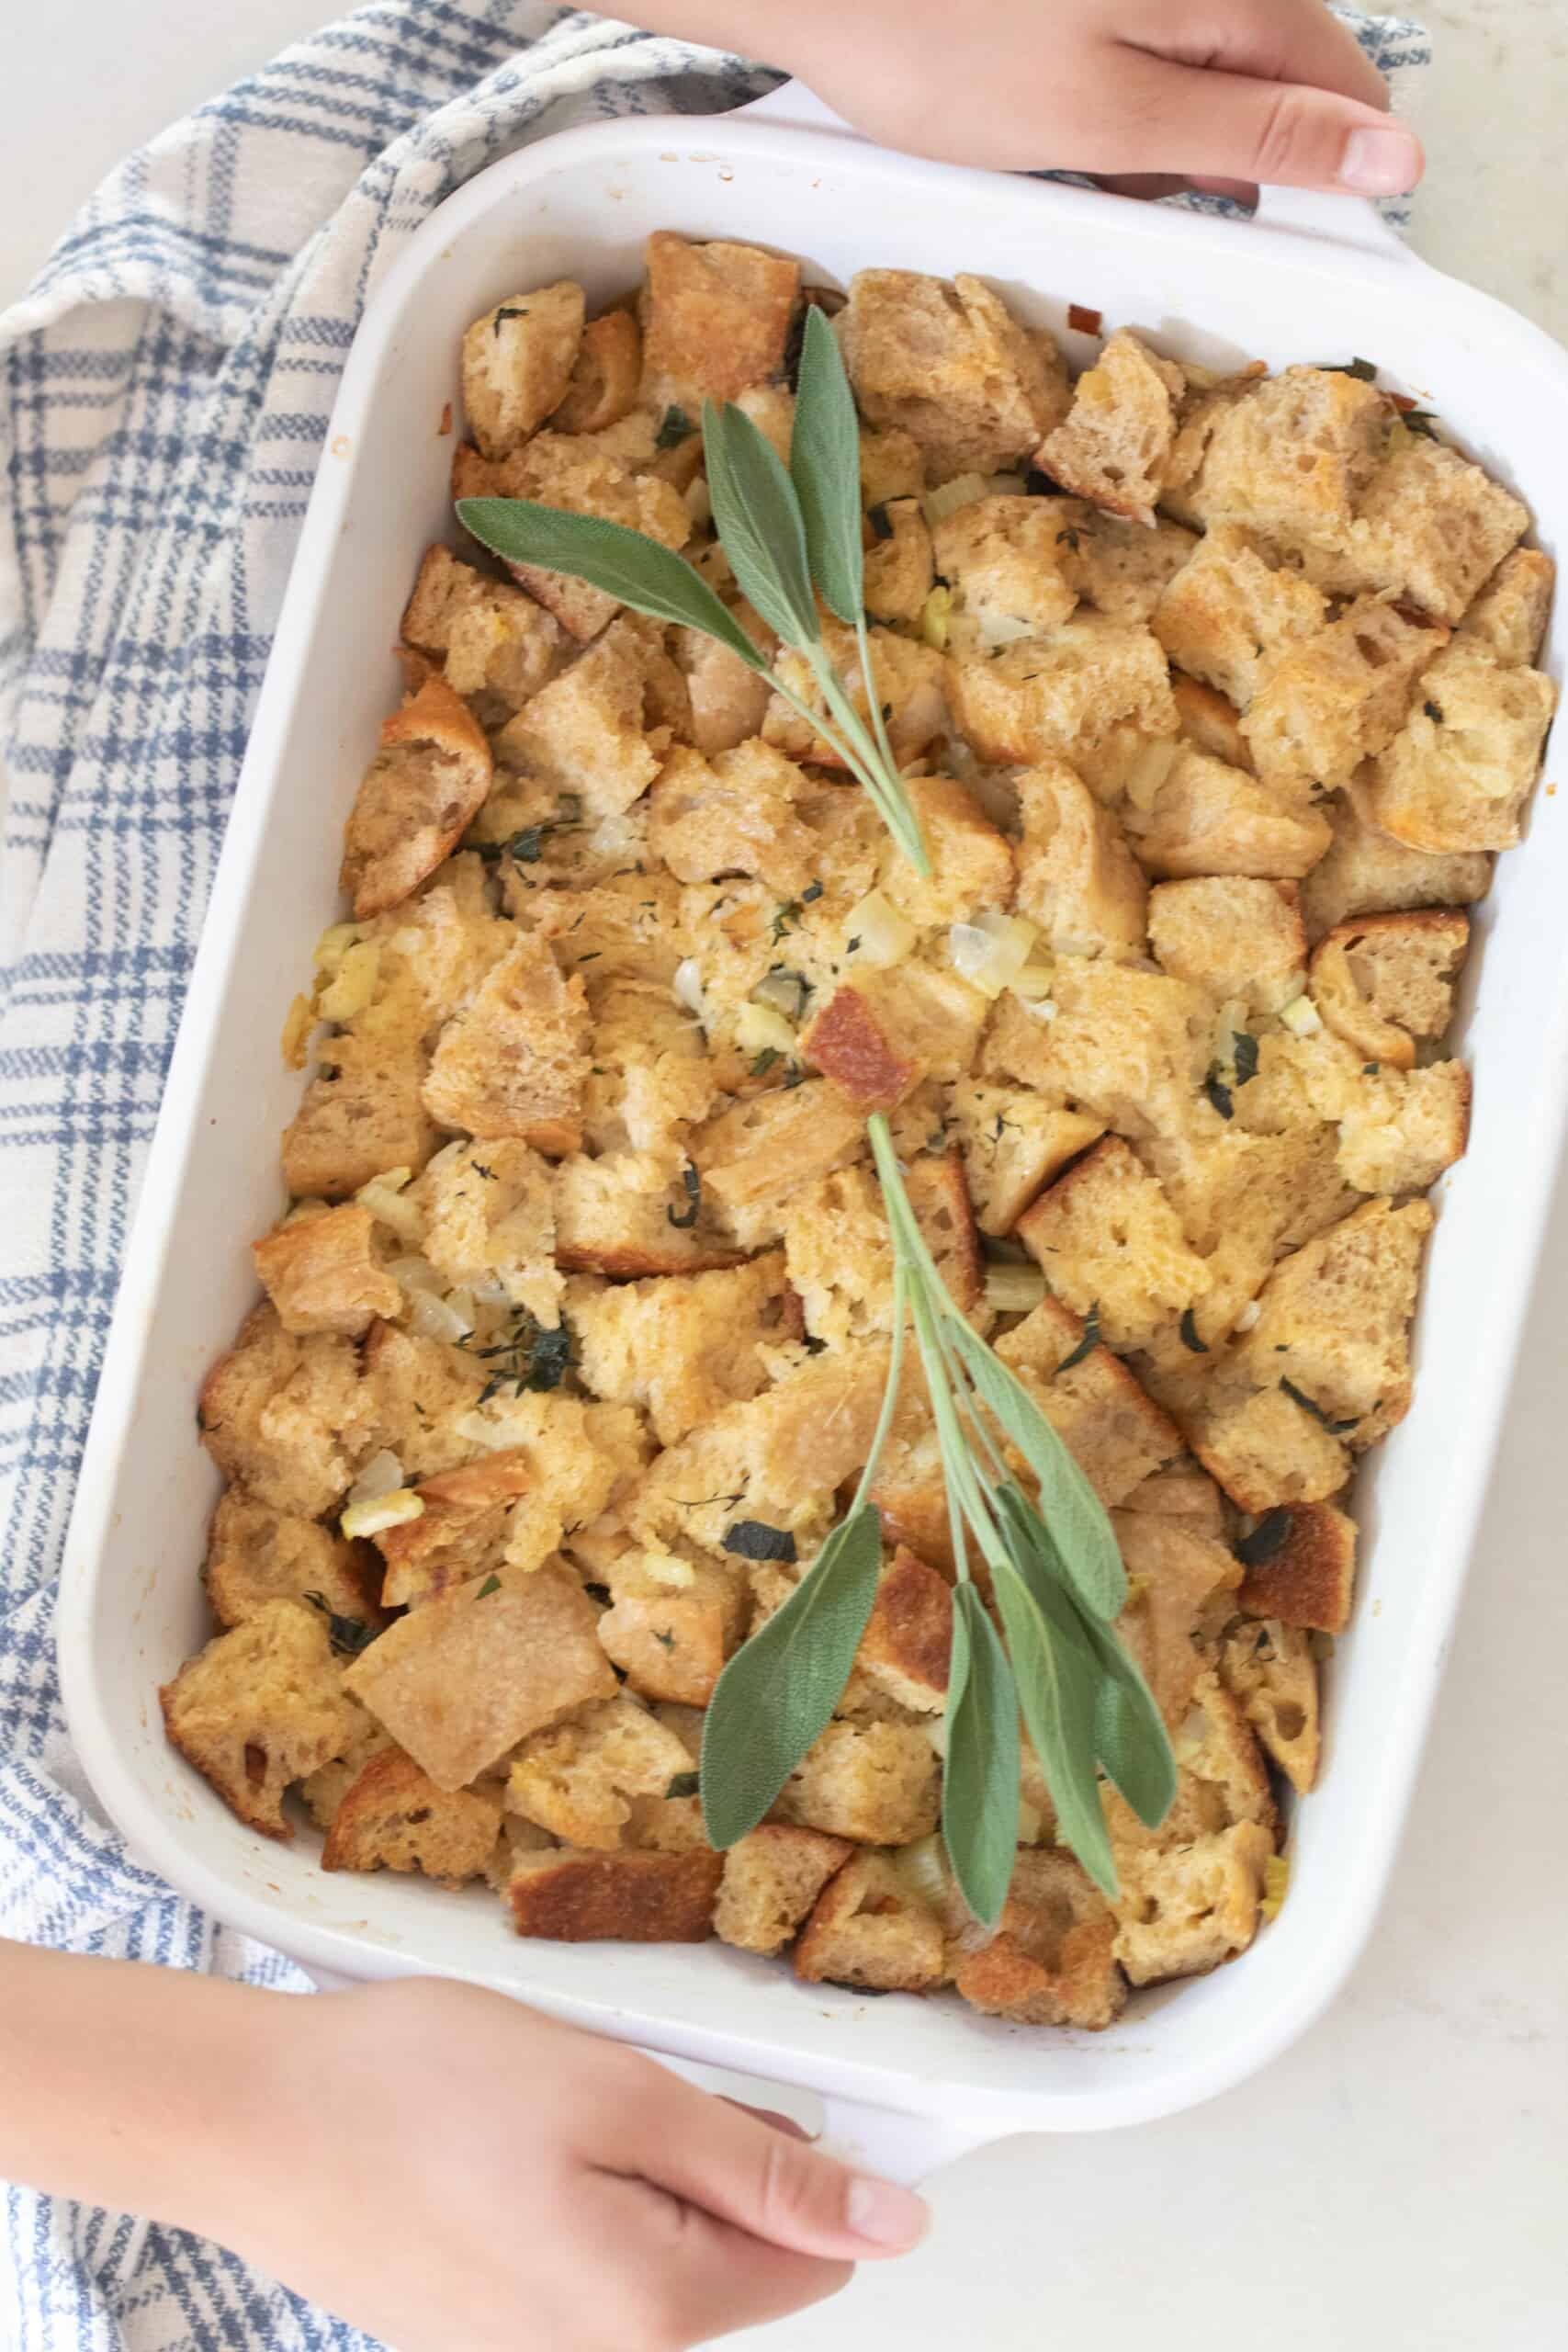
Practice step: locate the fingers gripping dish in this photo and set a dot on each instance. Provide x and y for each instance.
(1213, 700)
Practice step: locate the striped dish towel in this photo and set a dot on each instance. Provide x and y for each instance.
(164, 391)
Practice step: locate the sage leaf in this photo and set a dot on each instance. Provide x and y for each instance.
(979, 1788)
(1058, 1685)
(1130, 1737)
(651, 578)
(824, 465)
(777, 1694)
(760, 525)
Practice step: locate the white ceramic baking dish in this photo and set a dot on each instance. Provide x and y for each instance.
(907, 2082)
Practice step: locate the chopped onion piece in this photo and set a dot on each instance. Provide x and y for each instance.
(334, 945)
(1031, 1823)
(991, 951)
(394, 1509)
(962, 491)
(664, 1567)
(1039, 1007)
(759, 1030)
(435, 1318)
(687, 986)
(699, 503)
(382, 1474)
(935, 614)
(881, 937)
(415, 1274)
(383, 1197)
(997, 629)
(1301, 1017)
(782, 992)
(353, 984)
(923, 1868)
(1148, 772)
(1037, 979)
(1250, 1316)
(1275, 1885)
(1014, 1290)
(936, 1732)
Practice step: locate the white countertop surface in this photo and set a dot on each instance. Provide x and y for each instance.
(1401, 2178)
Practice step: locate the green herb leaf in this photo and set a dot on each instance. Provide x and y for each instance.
(754, 1539)
(347, 1636)
(1310, 1404)
(824, 465)
(674, 427)
(1364, 370)
(1189, 1327)
(490, 1583)
(648, 577)
(1130, 1738)
(1244, 1056)
(693, 1183)
(1086, 1344)
(777, 1694)
(979, 1783)
(684, 1785)
(760, 525)
(1218, 1093)
(1059, 1680)
(765, 1061)
(1265, 1540)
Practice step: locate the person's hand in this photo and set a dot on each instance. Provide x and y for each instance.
(447, 2169)
(1221, 93)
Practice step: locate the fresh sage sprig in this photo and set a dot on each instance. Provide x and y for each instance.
(787, 535)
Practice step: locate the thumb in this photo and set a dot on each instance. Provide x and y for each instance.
(1193, 119)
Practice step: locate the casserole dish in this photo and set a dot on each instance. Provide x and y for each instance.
(907, 2082)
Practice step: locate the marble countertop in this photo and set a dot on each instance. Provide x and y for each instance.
(1400, 2177)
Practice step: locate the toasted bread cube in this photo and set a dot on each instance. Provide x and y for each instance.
(584, 476)
(1236, 937)
(257, 1555)
(911, 680)
(1294, 454)
(616, 1216)
(1106, 1237)
(868, 1928)
(321, 1274)
(839, 1256)
(419, 1392)
(416, 798)
(1210, 721)
(1431, 526)
(874, 1783)
(729, 700)
(1121, 568)
(489, 637)
(734, 815)
(1269, 1667)
(905, 1649)
(1242, 1199)
(716, 319)
(1401, 1130)
(682, 1347)
(1185, 1494)
(1114, 443)
(1259, 1445)
(1221, 1765)
(393, 1818)
(605, 375)
(362, 1113)
(972, 867)
(1308, 1579)
(460, 1682)
(772, 1879)
(1052, 1961)
(429, 956)
(1232, 611)
(1183, 1911)
(324, 1789)
(1003, 558)
(1341, 697)
(575, 1459)
(460, 1530)
(900, 567)
(1385, 981)
(287, 1419)
(517, 364)
(950, 365)
(1337, 1315)
(765, 1145)
(878, 1039)
(1014, 1141)
(1061, 695)
(1126, 1044)
(1458, 775)
(633, 1898)
(260, 1708)
(671, 1641)
(892, 465)
(1176, 1571)
(1207, 818)
(939, 1194)
(1508, 615)
(583, 732)
(490, 1216)
(578, 1781)
(1198, 416)
(1367, 872)
(515, 1060)
(1076, 877)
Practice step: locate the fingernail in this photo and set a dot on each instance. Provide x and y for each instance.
(886, 2216)
(1380, 162)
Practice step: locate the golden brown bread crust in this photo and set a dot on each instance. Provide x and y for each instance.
(771, 1878)
(617, 1898)
(418, 796)
(849, 1045)
(394, 1817)
(716, 317)
(605, 375)
(256, 1553)
(1308, 1578)
(1052, 1961)
(908, 1641)
(321, 1274)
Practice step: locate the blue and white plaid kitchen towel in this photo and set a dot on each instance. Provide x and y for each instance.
(164, 389)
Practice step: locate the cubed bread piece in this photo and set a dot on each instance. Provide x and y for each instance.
(579, 1780)
(716, 319)
(287, 1419)
(1303, 1567)
(671, 1639)
(870, 1928)
(972, 866)
(892, 465)
(515, 1060)
(419, 1391)
(1508, 615)
(1014, 1141)
(517, 363)
(1341, 697)
(415, 800)
(426, 958)
(617, 1215)
(1183, 1911)
(1366, 871)
(363, 1113)
(321, 1274)
(324, 1789)
(1269, 1667)
(1238, 937)
(1259, 1445)
(772, 1879)
(635, 1898)
(910, 679)
(899, 569)
(490, 1218)
(1294, 454)
(763, 1146)
(1175, 1572)
(1184, 1494)
(1060, 695)
(1401, 1129)
(876, 1783)
(605, 375)
(905, 1649)
(1052, 1961)
(1121, 568)
(735, 815)
(1002, 558)
(1078, 879)
(1334, 1320)
(1115, 1430)
(1389, 979)
(260, 1708)
(729, 700)
(1126, 1044)
(1206, 818)
(1431, 526)
(1114, 443)
(1242, 1199)
(394, 1817)
(939, 1196)
(460, 1530)
(1458, 775)
(583, 732)
(1108, 1240)
(1222, 1774)
(256, 1555)
(1210, 721)
(682, 1347)
(1232, 611)
(880, 1039)
(950, 365)
(490, 636)
(575, 1458)
(583, 475)
(460, 1682)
